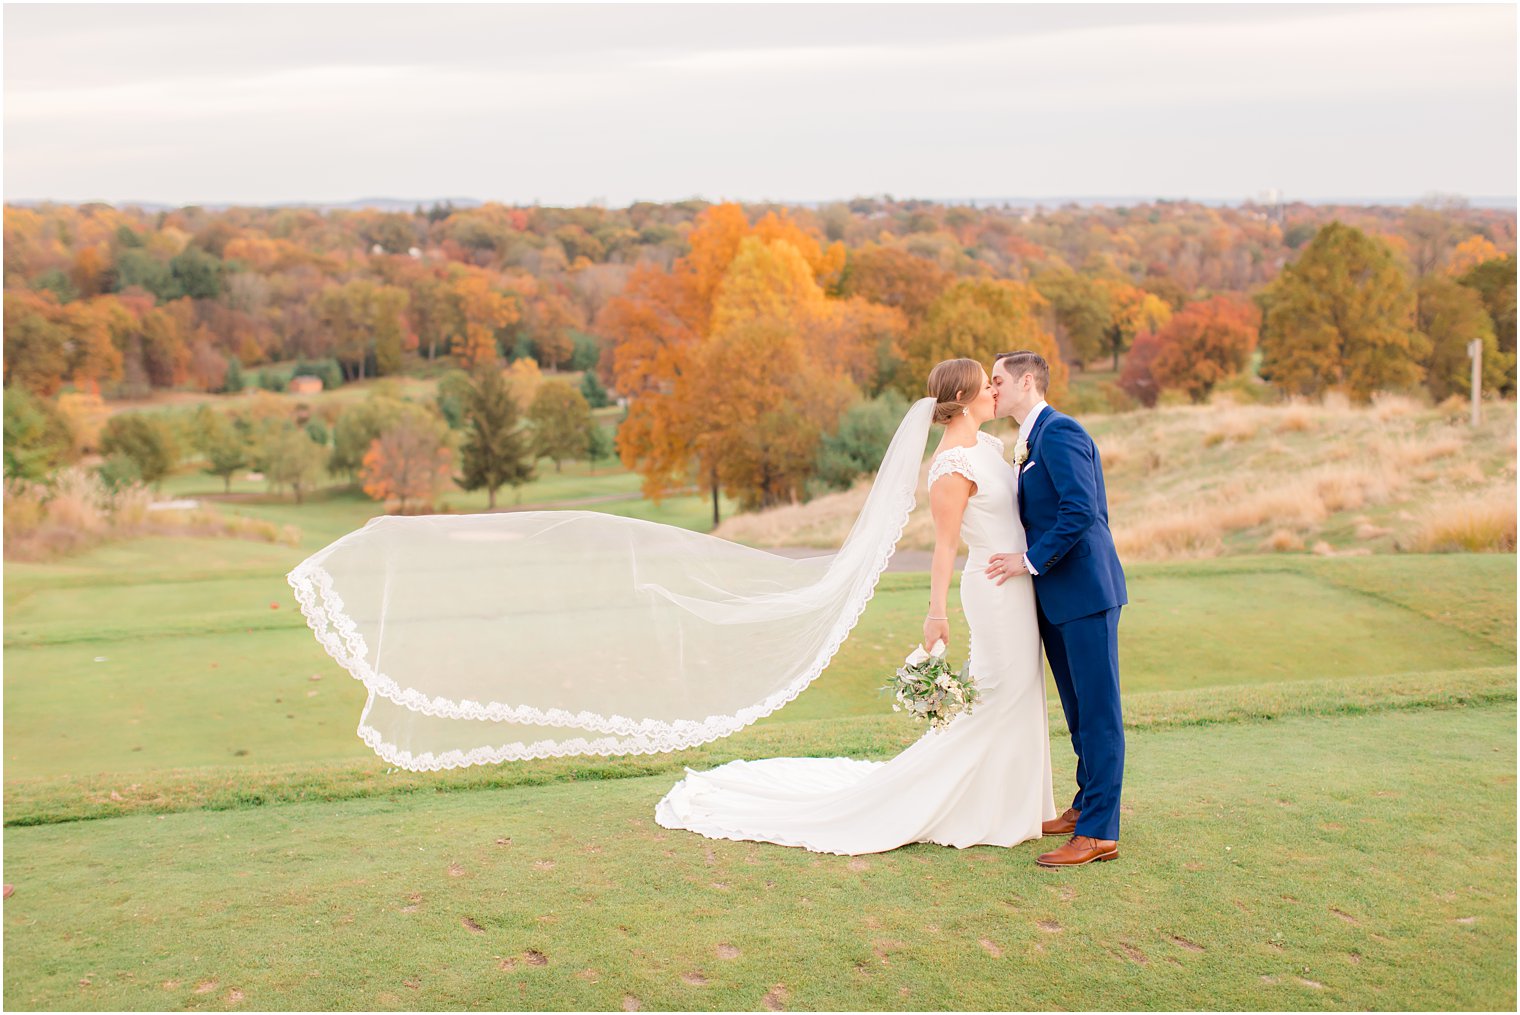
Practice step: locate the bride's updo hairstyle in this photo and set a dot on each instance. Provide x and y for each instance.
(954, 384)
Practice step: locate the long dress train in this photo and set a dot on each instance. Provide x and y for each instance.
(983, 779)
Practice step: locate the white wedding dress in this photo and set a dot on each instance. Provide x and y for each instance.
(984, 779)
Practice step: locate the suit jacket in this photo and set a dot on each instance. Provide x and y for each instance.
(1063, 505)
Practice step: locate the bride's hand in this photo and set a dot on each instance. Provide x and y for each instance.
(936, 630)
(1002, 566)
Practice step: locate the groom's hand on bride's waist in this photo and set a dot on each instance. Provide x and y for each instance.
(1002, 566)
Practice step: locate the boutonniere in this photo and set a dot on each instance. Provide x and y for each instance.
(1021, 453)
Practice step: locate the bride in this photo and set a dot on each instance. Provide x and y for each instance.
(983, 779)
(484, 638)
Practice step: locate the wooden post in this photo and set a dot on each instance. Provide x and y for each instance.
(1475, 353)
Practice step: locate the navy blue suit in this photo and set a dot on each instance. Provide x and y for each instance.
(1078, 592)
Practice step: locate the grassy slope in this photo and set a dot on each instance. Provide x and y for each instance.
(1247, 879)
(113, 667)
(1200, 481)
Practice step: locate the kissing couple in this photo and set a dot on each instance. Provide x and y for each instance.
(501, 637)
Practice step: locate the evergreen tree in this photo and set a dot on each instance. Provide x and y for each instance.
(593, 391)
(496, 449)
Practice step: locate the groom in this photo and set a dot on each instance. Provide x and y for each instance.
(1078, 587)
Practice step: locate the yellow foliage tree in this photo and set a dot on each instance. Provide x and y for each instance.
(977, 319)
(1470, 253)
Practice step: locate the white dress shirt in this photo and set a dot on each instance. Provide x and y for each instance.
(1024, 428)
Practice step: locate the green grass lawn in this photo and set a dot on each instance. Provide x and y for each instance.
(1247, 879)
(192, 823)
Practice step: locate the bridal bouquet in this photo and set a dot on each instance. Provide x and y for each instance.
(927, 688)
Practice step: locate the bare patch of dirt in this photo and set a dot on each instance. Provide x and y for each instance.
(631, 1003)
(1048, 926)
(1182, 942)
(1344, 915)
(857, 866)
(775, 998)
(1314, 984)
(543, 865)
(727, 951)
(205, 986)
(534, 957)
(1134, 954)
(589, 975)
(234, 996)
(991, 948)
(694, 979)
(471, 926)
(456, 870)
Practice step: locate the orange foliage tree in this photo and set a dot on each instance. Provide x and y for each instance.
(1207, 342)
(407, 463)
(731, 359)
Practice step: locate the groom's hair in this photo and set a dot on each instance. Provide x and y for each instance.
(1017, 364)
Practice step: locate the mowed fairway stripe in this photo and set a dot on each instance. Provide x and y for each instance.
(1307, 863)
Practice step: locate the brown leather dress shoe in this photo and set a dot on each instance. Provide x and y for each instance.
(1064, 825)
(1079, 850)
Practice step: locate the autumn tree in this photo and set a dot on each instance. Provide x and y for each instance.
(1132, 310)
(359, 424)
(1450, 316)
(483, 309)
(362, 316)
(1470, 253)
(436, 316)
(36, 342)
(893, 277)
(727, 325)
(497, 450)
(1206, 343)
(1494, 281)
(1137, 378)
(977, 319)
(407, 463)
(1341, 316)
(1082, 310)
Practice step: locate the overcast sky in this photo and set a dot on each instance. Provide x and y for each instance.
(573, 103)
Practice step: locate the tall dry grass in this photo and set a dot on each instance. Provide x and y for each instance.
(75, 511)
(1195, 481)
(1481, 524)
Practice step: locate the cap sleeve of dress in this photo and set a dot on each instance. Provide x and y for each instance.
(951, 460)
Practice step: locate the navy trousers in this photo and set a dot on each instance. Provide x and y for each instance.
(1084, 659)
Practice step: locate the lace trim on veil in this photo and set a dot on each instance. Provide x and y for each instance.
(335, 630)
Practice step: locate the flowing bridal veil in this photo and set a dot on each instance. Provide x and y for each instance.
(491, 637)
